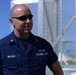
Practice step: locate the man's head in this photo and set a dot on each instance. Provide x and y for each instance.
(21, 19)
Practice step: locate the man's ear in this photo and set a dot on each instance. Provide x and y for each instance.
(11, 21)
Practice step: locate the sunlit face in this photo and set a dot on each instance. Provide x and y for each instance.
(22, 22)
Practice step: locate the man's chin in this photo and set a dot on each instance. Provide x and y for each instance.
(26, 32)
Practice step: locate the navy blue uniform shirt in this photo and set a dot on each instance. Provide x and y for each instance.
(25, 57)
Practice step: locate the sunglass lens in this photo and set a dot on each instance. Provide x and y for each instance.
(22, 18)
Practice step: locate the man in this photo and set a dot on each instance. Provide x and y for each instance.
(21, 52)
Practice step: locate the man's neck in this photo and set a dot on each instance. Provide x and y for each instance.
(22, 36)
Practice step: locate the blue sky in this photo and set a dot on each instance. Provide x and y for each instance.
(5, 15)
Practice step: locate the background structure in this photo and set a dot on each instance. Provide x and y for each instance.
(57, 24)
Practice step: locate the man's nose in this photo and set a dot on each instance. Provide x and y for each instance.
(27, 20)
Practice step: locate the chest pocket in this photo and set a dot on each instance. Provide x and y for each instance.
(11, 61)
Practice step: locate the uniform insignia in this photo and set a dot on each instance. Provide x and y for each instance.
(11, 56)
(41, 53)
(11, 40)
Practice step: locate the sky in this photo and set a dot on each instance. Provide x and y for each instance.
(5, 15)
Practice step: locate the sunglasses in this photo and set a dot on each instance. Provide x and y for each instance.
(22, 18)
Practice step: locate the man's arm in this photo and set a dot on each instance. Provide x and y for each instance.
(56, 68)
